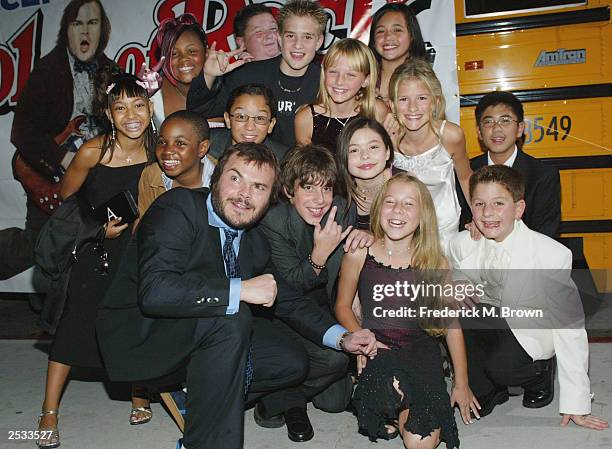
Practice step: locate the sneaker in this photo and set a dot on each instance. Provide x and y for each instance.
(179, 444)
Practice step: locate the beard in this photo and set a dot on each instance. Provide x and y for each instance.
(248, 220)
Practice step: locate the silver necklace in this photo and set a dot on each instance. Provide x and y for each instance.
(343, 123)
(397, 253)
(291, 91)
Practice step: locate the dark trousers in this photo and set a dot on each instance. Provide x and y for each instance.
(17, 245)
(327, 382)
(495, 357)
(214, 375)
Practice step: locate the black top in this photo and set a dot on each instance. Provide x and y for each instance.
(289, 92)
(325, 130)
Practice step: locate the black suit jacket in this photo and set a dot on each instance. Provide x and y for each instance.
(172, 275)
(542, 193)
(291, 241)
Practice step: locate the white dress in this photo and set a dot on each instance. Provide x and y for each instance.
(436, 170)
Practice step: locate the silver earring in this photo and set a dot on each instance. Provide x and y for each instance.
(153, 126)
(113, 133)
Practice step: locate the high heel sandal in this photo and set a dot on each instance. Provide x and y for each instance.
(49, 438)
(140, 415)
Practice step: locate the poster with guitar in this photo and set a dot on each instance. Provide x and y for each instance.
(44, 189)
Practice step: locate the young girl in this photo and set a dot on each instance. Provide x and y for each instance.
(404, 385)
(345, 90)
(395, 37)
(102, 168)
(427, 145)
(182, 43)
(365, 157)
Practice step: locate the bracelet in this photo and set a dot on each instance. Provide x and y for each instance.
(314, 265)
(342, 338)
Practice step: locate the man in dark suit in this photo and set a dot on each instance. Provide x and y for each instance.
(53, 117)
(500, 126)
(195, 261)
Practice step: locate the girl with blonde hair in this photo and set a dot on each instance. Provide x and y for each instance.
(346, 90)
(402, 390)
(425, 143)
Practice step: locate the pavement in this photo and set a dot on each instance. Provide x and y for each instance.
(94, 415)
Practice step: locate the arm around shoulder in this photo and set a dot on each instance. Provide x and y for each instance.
(352, 263)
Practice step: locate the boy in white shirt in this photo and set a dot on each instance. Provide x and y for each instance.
(513, 264)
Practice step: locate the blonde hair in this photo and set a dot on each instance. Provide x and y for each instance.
(303, 8)
(362, 60)
(419, 70)
(427, 256)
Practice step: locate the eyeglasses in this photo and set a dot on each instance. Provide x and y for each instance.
(502, 121)
(259, 119)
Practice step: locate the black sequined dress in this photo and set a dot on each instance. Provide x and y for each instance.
(414, 360)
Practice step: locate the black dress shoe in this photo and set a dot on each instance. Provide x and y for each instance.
(269, 422)
(543, 392)
(497, 396)
(298, 425)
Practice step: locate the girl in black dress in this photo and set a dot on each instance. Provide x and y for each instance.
(103, 167)
(403, 387)
(346, 90)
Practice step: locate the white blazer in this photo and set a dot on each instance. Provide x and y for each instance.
(531, 251)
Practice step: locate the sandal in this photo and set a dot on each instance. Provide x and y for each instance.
(140, 415)
(48, 437)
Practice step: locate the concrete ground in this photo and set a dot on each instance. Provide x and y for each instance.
(89, 419)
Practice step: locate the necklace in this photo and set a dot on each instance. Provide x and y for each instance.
(363, 191)
(291, 91)
(397, 253)
(343, 123)
(128, 158)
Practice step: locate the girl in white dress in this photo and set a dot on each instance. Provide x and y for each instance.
(425, 143)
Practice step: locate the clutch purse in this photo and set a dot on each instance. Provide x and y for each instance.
(121, 205)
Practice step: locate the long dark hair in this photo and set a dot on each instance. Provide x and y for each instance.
(111, 85)
(71, 11)
(347, 183)
(417, 45)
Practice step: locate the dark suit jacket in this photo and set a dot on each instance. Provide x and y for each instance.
(221, 139)
(43, 111)
(542, 193)
(169, 278)
(291, 241)
(145, 329)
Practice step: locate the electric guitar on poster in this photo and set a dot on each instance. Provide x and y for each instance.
(42, 190)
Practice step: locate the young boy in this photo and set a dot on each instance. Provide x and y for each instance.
(292, 76)
(181, 150)
(512, 264)
(256, 30)
(305, 235)
(500, 127)
(249, 117)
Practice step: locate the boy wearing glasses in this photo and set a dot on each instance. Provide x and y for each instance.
(249, 117)
(500, 126)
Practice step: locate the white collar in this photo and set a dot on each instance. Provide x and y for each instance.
(508, 162)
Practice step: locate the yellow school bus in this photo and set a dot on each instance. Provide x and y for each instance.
(555, 56)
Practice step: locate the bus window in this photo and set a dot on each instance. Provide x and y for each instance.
(475, 8)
